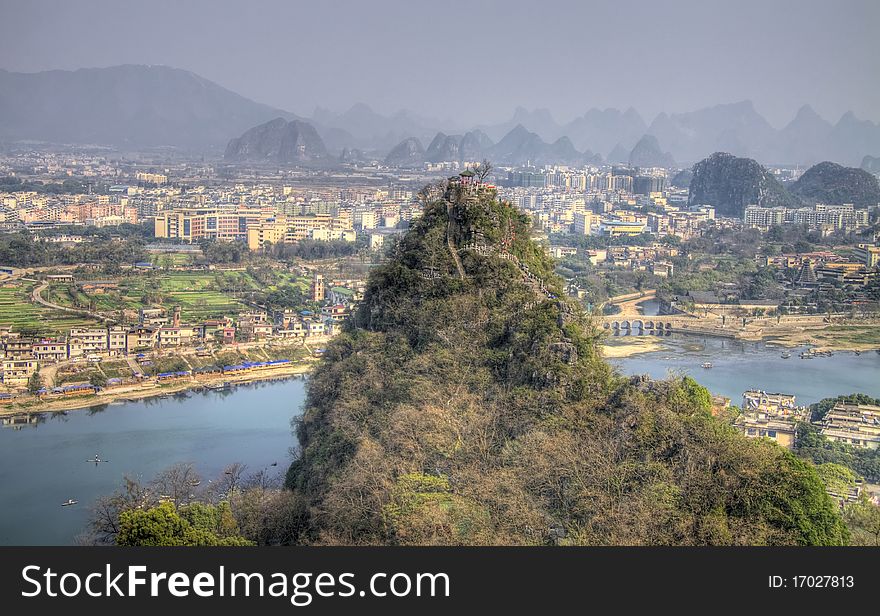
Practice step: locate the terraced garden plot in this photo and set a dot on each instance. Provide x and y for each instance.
(198, 294)
(17, 311)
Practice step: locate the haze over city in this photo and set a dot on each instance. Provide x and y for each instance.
(466, 63)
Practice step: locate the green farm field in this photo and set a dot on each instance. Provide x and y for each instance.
(201, 295)
(17, 311)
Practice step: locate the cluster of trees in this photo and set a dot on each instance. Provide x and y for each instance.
(177, 508)
(313, 249)
(125, 230)
(21, 250)
(220, 252)
(164, 524)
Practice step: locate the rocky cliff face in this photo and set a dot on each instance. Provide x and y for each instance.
(278, 141)
(730, 184)
(834, 184)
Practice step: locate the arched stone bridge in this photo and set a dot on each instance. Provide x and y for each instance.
(664, 324)
(645, 323)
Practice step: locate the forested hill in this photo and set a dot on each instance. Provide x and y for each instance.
(467, 403)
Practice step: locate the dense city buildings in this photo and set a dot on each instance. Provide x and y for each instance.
(825, 217)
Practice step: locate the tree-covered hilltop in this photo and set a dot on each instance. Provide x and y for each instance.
(468, 403)
(832, 183)
(731, 183)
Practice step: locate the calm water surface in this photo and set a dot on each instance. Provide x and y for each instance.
(738, 365)
(44, 465)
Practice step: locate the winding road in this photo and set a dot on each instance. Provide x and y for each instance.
(37, 297)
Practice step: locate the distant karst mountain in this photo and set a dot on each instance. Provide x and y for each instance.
(521, 146)
(832, 183)
(278, 141)
(735, 128)
(804, 139)
(647, 153)
(368, 129)
(683, 178)
(352, 156)
(730, 184)
(620, 154)
(407, 153)
(601, 130)
(129, 106)
(518, 147)
(851, 139)
(141, 107)
(538, 121)
(471, 146)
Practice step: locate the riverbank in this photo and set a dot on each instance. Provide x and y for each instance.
(829, 338)
(152, 389)
(839, 337)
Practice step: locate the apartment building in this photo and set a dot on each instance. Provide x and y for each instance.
(835, 217)
(218, 223)
(857, 425)
(18, 371)
(770, 415)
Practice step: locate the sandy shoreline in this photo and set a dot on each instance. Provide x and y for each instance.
(631, 345)
(842, 338)
(151, 390)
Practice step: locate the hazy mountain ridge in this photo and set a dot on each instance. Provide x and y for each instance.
(471, 146)
(371, 130)
(126, 106)
(518, 147)
(137, 106)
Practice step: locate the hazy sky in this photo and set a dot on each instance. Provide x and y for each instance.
(477, 60)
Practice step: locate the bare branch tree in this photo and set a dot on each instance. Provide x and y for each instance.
(483, 170)
(177, 483)
(230, 479)
(104, 523)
